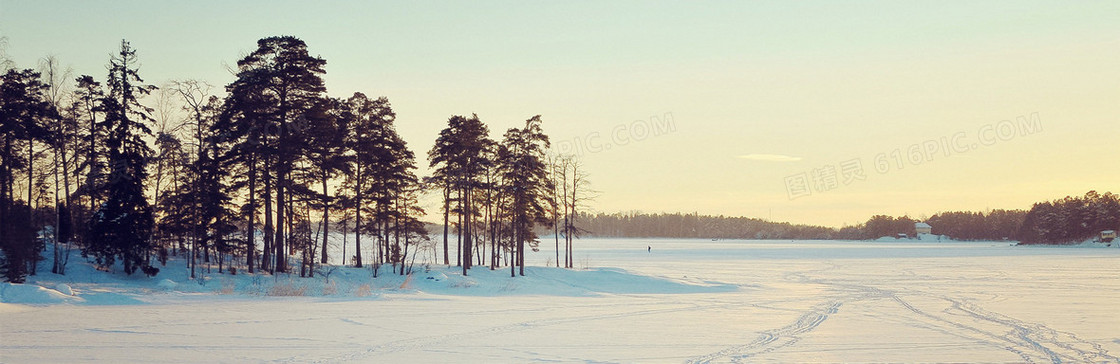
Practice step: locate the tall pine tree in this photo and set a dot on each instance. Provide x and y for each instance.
(22, 110)
(521, 159)
(121, 227)
(277, 87)
(460, 156)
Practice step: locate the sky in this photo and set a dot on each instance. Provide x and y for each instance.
(815, 112)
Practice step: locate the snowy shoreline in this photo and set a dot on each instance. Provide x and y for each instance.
(668, 301)
(85, 285)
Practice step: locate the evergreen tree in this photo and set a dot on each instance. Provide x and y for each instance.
(1071, 219)
(277, 86)
(459, 154)
(325, 151)
(22, 110)
(380, 171)
(521, 158)
(122, 225)
(366, 143)
(87, 106)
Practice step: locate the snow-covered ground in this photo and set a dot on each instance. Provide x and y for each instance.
(682, 301)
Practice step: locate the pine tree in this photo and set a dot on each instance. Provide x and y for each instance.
(367, 119)
(122, 225)
(277, 86)
(379, 172)
(325, 151)
(459, 154)
(23, 109)
(86, 107)
(521, 158)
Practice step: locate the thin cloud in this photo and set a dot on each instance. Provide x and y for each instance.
(769, 158)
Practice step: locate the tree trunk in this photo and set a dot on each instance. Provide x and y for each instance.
(404, 256)
(57, 211)
(521, 253)
(511, 260)
(92, 161)
(446, 212)
(467, 231)
(194, 260)
(344, 241)
(30, 184)
(397, 235)
(556, 235)
(326, 224)
(250, 226)
(386, 251)
(459, 232)
(5, 188)
(278, 239)
(269, 231)
(358, 219)
(572, 230)
(67, 169)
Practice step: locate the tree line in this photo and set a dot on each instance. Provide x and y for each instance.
(960, 225)
(1063, 221)
(255, 178)
(957, 225)
(694, 225)
(1071, 219)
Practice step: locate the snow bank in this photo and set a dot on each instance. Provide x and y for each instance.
(64, 289)
(556, 282)
(32, 294)
(166, 285)
(84, 284)
(1089, 243)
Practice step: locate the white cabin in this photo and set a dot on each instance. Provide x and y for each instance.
(922, 228)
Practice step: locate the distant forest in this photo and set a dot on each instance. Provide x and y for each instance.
(960, 225)
(1064, 221)
(1071, 219)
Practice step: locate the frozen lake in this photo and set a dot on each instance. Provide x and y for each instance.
(789, 301)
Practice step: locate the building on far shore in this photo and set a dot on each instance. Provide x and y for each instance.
(922, 228)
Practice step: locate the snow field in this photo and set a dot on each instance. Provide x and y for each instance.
(686, 301)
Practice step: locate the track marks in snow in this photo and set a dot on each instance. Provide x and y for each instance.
(1031, 342)
(1052, 345)
(774, 339)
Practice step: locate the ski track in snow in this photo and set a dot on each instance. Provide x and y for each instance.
(1032, 342)
(774, 339)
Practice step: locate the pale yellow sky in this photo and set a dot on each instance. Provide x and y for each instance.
(815, 84)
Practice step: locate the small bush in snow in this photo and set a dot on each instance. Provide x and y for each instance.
(286, 289)
(330, 288)
(362, 291)
(461, 284)
(227, 287)
(585, 263)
